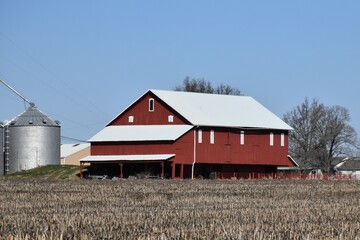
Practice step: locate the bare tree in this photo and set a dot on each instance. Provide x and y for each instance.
(202, 86)
(321, 134)
(302, 140)
(227, 90)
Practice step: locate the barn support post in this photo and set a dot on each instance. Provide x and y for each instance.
(182, 171)
(121, 170)
(81, 175)
(173, 170)
(162, 169)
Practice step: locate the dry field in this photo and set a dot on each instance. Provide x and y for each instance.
(182, 209)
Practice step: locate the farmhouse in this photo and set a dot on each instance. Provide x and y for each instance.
(186, 135)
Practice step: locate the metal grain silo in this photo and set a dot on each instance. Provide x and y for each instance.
(2, 163)
(33, 141)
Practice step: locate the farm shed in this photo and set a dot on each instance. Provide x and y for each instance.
(72, 153)
(349, 166)
(187, 135)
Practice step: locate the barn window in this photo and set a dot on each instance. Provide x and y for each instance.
(282, 140)
(199, 136)
(242, 137)
(271, 139)
(170, 118)
(212, 137)
(131, 119)
(151, 105)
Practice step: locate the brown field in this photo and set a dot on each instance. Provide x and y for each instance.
(182, 209)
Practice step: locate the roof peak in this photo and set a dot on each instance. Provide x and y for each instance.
(207, 109)
(32, 116)
(196, 93)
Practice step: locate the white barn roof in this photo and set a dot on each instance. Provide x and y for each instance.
(116, 133)
(110, 158)
(202, 109)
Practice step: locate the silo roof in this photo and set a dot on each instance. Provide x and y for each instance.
(33, 117)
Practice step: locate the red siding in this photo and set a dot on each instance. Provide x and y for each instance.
(256, 149)
(142, 115)
(225, 150)
(183, 148)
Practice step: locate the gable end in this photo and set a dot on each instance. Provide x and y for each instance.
(148, 110)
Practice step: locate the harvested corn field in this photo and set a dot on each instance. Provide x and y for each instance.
(183, 209)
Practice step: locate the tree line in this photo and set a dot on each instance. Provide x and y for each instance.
(321, 133)
(201, 86)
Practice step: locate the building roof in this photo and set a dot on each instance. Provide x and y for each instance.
(32, 117)
(202, 109)
(349, 165)
(140, 133)
(143, 157)
(70, 149)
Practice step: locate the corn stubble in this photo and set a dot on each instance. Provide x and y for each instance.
(166, 209)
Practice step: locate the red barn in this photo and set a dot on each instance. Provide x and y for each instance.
(187, 135)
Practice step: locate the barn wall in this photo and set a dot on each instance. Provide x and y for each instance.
(256, 149)
(183, 148)
(142, 115)
(225, 150)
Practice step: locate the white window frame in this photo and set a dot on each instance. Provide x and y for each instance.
(282, 140)
(131, 119)
(242, 137)
(171, 118)
(212, 137)
(199, 136)
(151, 104)
(271, 139)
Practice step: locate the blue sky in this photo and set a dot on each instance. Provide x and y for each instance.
(83, 62)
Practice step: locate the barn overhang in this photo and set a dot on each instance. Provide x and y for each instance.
(121, 159)
(136, 133)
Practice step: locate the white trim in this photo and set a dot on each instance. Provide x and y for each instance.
(212, 137)
(171, 118)
(289, 157)
(271, 139)
(131, 119)
(151, 104)
(242, 137)
(199, 136)
(114, 158)
(282, 140)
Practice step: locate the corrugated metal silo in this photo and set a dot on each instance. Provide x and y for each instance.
(2, 163)
(34, 140)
